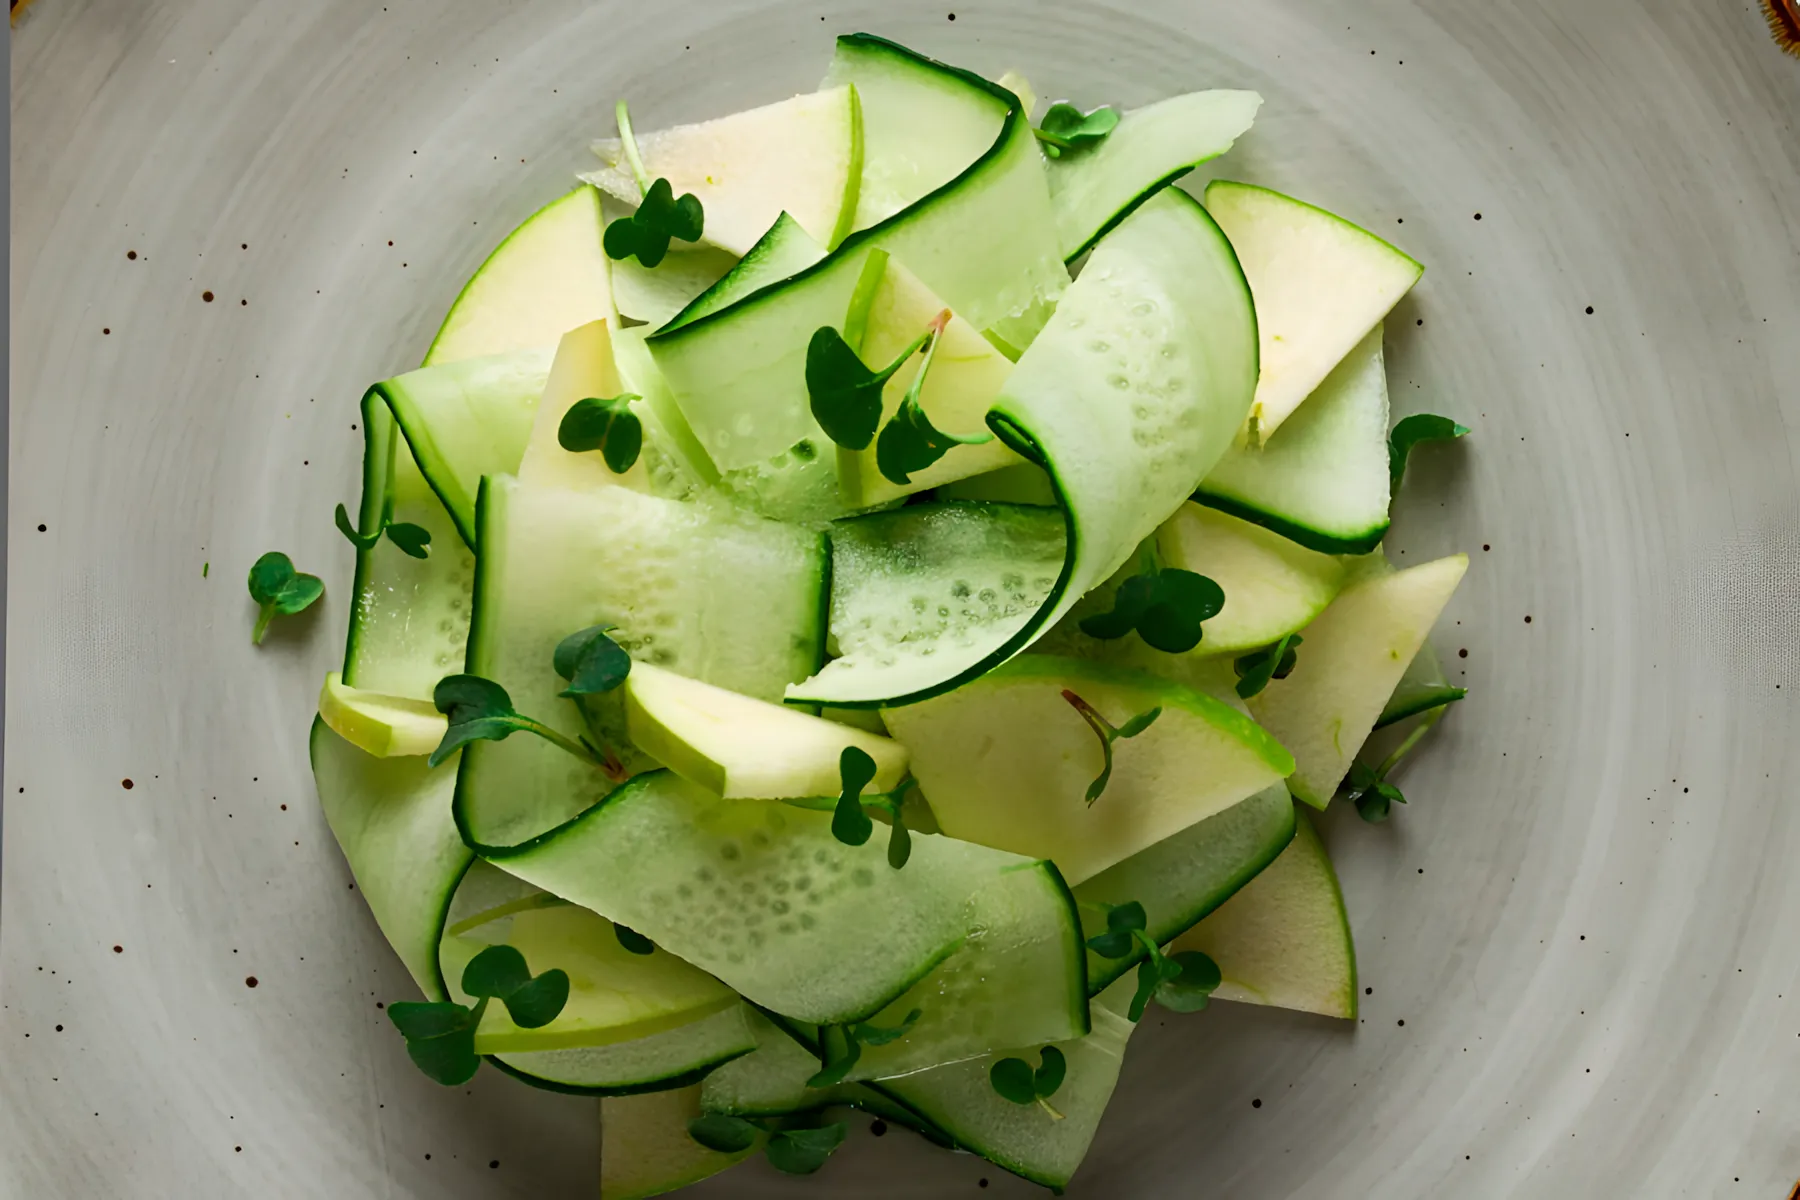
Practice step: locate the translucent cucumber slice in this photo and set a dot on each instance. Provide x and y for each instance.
(700, 590)
(1020, 976)
(1025, 483)
(1354, 657)
(1007, 761)
(681, 468)
(1423, 688)
(1322, 480)
(801, 156)
(1284, 940)
(1186, 876)
(1151, 147)
(930, 589)
(1134, 390)
(1321, 285)
(966, 374)
(676, 1057)
(410, 617)
(763, 896)
(985, 242)
(645, 1149)
(391, 819)
(547, 277)
(784, 251)
(744, 748)
(381, 725)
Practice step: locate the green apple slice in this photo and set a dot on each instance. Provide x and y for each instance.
(1284, 940)
(744, 748)
(1006, 761)
(614, 995)
(1320, 284)
(655, 295)
(966, 374)
(645, 1149)
(385, 726)
(1354, 657)
(549, 276)
(1323, 480)
(802, 156)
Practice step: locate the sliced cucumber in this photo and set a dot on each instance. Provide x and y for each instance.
(1423, 688)
(1186, 876)
(547, 277)
(727, 599)
(1321, 481)
(931, 587)
(645, 1149)
(985, 241)
(1152, 147)
(682, 468)
(656, 295)
(1006, 761)
(1160, 326)
(674, 1057)
(801, 156)
(466, 419)
(966, 374)
(784, 251)
(391, 818)
(410, 618)
(1020, 976)
(1321, 285)
(1285, 940)
(763, 895)
(772, 1083)
(1354, 656)
(743, 748)
(382, 725)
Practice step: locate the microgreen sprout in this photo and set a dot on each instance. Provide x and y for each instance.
(850, 821)
(792, 1148)
(440, 1035)
(659, 218)
(1256, 669)
(280, 591)
(1182, 982)
(1016, 1080)
(1165, 605)
(480, 710)
(609, 426)
(910, 442)
(1067, 128)
(414, 540)
(1108, 734)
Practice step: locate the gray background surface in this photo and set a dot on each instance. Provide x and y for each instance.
(1582, 937)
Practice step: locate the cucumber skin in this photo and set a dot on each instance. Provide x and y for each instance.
(656, 1085)
(1305, 535)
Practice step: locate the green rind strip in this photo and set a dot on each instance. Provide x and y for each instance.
(1312, 539)
(1413, 706)
(686, 1079)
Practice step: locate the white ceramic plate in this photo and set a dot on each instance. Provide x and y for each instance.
(1582, 937)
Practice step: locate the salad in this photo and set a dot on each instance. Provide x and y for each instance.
(855, 607)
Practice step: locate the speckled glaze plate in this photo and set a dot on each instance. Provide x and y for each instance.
(1581, 941)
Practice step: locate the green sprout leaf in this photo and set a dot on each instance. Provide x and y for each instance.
(480, 710)
(440, 1038)
(660, 218)
(499, 973)
(845, 395)
(803, 1151)
(1372, 794)
(609, 426)
(591, 661)
(1015, 1080)
(414, 540)
(632, 940)
(1420, 427)
(1067, 128)
(899, 839)
(849, 823)
(1166, 606)
(1108, 735)
(910, 442)
(279, 590)
(1256, 669)
(723, 1134)
(1191, 987)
